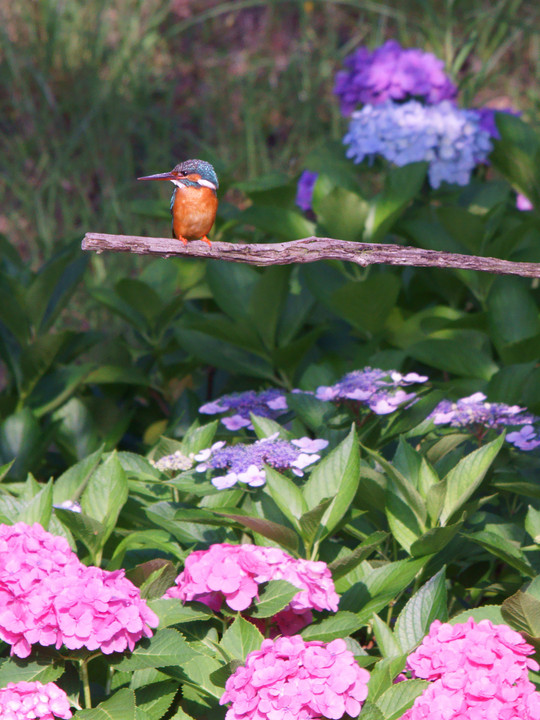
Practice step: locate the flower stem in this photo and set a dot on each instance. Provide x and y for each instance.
(86, 683)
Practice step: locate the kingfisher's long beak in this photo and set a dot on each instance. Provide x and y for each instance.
(159, 176)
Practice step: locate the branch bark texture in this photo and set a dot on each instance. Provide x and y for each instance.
(306, 250)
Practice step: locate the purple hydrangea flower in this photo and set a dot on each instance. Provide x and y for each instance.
(391, 72)
(304, 190)
(525, 438)
(486, 117)
(448, 138)
(380, 390)
(474, 410)
(245, 463)
(269, 403)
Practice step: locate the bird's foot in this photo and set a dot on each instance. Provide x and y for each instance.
(183, 240)
(206, 240)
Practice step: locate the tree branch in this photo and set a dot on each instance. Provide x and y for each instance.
(307, 250)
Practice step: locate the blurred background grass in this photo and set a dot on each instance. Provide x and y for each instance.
(95, 93)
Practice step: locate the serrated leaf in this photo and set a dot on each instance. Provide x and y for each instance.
(287, 496)
(383, 674)
(386, 642)
(504, 549)
(344, 564)
(462, 481)
(166, 647)
(156, 698)
(199, 438)
(170, 611)
(486, 612)
(274, 531)
(121, 706)
(370, 712)
(340, 625)
(434, 540)
(522, 611)
(400, 697)
(241, 638)
(16, 669)
(425, 606)
(381, 586)
(274, 597)
(336, 476)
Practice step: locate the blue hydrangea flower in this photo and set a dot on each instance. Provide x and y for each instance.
(245, 463)
(394, 73)
(267, 403)
(526, 438)
(450, 139)
(380, 390)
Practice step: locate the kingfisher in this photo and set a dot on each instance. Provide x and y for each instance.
(194, 200)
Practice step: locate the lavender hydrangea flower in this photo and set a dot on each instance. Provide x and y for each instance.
(269, 403)
(474, 410)
(304, 189)
(245, 463)
(379, 389)
(391, 72)
(525, 438)
(448, 138)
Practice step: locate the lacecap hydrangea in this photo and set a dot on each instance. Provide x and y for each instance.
(244, 462)
(450, 139)
(232, 574)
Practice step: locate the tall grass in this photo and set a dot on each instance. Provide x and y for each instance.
(95, 93)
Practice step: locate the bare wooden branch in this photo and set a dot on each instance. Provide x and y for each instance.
(306, 250)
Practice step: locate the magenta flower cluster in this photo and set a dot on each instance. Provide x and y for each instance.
(245, 462)
(475, 410)
(291, 679)
(233, 573)
(477, 671)
(269, 403)
(380, 390)
(30, 700)
(48, 597)
(391, 72)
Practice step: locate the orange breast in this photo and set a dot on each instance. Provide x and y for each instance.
(194, 212)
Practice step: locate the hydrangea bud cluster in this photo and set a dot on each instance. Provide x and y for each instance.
(475, 410)
(269, 403)
(245, 462)
(391, 72)
(176, 461)
(448, 138)
(380, 390)
(478, 670)
(233, 573)
(30, 700)
(289, 678)
(47, 596)
(304, 189)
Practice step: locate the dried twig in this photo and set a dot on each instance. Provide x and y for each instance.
(307, 250)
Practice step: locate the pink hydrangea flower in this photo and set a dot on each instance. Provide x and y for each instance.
(291, 679)
(478, 671)
(233, 573)
(30, 700)
(48, 597)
